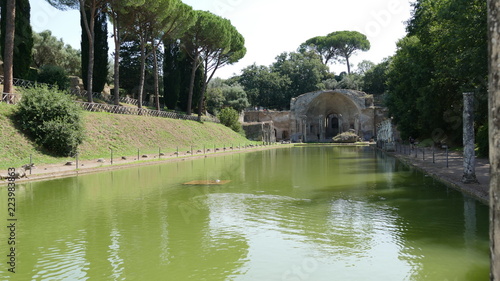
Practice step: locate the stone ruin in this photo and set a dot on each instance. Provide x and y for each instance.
(320, 116)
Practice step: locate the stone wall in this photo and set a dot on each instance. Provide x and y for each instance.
(260, 131)
(280, 120)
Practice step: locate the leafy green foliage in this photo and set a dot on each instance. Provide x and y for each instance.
(405, 73)
(53, 75)
(444, 55)
(52, 119)
(214, 42)
(375, 79)
(364, 67)
(235, 97)
(265, 87)
(330, 84)
(320, 45)
(292, 74)
(339, 46)
(230, 118)
(305, 71)
(47, 49)
(352, 81)
(151, 22)
(23, 38)
(220, 94)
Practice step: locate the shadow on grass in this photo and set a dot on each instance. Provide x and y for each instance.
(38, 148)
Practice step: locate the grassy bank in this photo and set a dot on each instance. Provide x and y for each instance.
(124, 134)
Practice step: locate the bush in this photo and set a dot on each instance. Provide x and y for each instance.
(52, 119)
(230, 118)
(346, 137)
(482, 139)
(53, 75)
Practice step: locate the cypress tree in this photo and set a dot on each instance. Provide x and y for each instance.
(177, 68)
(101, 48)
(172, 75)
(130, 65)
(23, 42)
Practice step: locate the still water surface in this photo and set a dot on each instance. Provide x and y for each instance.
(303, 213)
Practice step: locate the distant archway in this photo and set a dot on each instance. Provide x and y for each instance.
(333, 126)
(325, 114)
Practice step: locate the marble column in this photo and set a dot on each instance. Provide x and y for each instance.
(469, 140)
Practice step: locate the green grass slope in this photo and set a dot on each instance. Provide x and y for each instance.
(124, 134)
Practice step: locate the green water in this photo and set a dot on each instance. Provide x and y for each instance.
(303, 213)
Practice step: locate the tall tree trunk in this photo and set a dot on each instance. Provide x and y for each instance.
(23, 37)
(89, 28)
(156, 78)
(205, 85)
(116, 76)
(191, 83)
(202, 97)
(9, 50)
(348, 65)
(142, 70)
(494, 127)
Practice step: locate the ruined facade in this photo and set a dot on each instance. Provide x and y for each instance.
(280, 121)
(321, 115)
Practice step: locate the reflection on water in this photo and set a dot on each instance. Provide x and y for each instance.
(303, 213)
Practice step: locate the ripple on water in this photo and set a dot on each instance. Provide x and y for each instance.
(66, 262)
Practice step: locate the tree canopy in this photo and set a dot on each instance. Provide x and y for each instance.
(214, 42)
(291, 75)
(337, 46)
(320, 44)
(48, 50)
(347, 43)
(443, 55)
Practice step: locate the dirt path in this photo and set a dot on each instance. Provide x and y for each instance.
(449, 169)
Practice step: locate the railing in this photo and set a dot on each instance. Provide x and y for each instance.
(19, 82)
(76, 92)
(116, 109)
(10, 98)
(107, 98)
(99, 107)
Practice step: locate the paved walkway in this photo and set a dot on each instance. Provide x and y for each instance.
(449, 169)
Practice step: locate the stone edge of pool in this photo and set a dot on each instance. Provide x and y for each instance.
(478, 191)
(53, 171)
(451, 176)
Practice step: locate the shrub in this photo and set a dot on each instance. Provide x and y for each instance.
(53, 75)
(52, 119)
(482, 140)
(346, 137)
(230, 118)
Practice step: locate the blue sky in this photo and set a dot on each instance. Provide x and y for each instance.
(271, 27)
